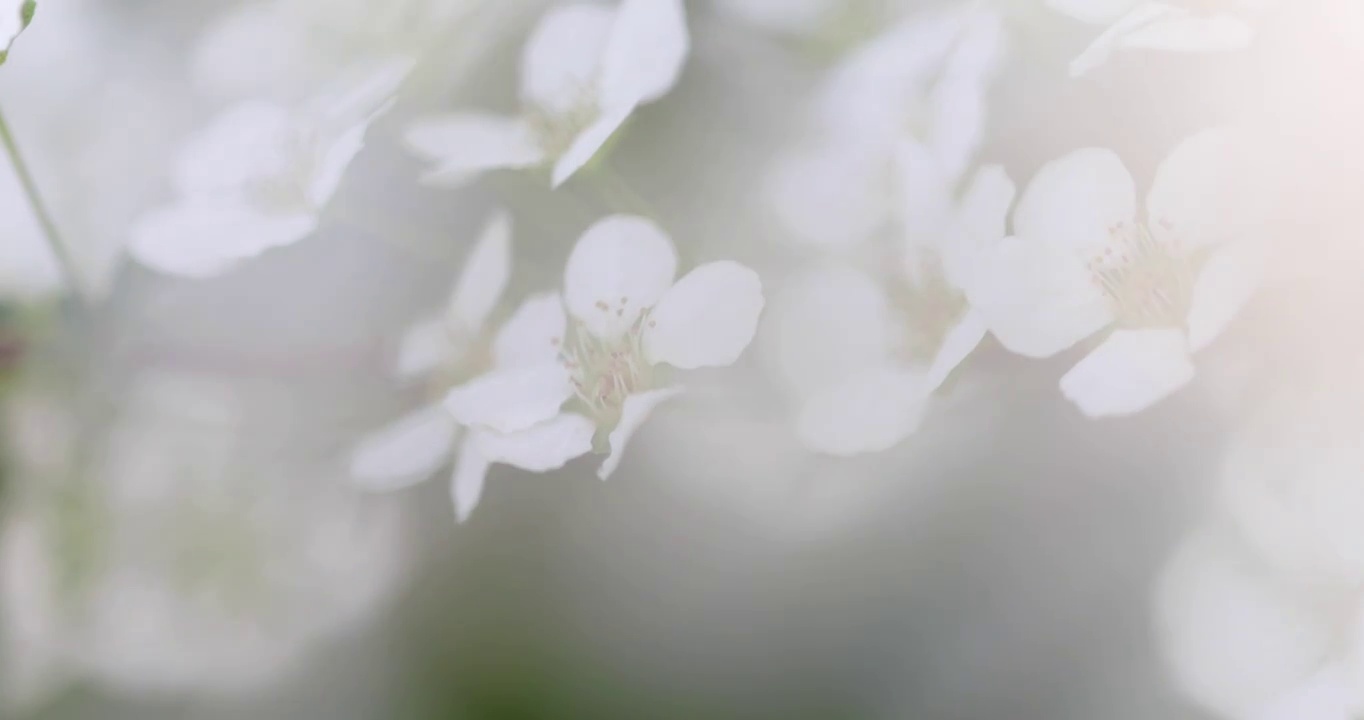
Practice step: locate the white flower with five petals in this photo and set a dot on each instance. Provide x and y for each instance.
(260, 175)
(1167, 282)
(626, 320)
(584, 71)
(865, 354)
(1173, 25)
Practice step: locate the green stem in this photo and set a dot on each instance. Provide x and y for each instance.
(50, 232)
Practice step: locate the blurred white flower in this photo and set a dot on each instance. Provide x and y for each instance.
(584, 70)
(15, 15)
(629, 320)
(863, 354)
(282, 49)
(453, 349)
(261, 174)
(919, 88)
(174, 565)
(1159, 25)
(1081, 260)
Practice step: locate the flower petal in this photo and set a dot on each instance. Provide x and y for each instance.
(1326, 695)
(1098, 52)
(511, 399)
(833, 195)
(1192, 33)
(633, 413)
(405, 452)
(589, 142)
(620, 267)
(484, 277)
(1131, 371)
(707, 319)
(960, 341)
(533, 334)
(1208, 189)
(1226, 283)
(1036, 301)
(201, 238)
(826, 324)
(248, 141)
(1073, 202)
(1093, 12)
(958, 100)
(982, 218)
(425, 346)
(468, 476)
(542, 447)
(561, 62)
(867, 412)
(466, 145)
(645, 53)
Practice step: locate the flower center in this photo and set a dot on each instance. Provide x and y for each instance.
(555, 131)
(606, 372)
(1148, 281)
(930, 307)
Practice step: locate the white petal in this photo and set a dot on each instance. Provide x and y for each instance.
(360, 92)
(645, 53)
(707, 319)
(511, 399)
(484, 277)
(1131, 371)
(793, 17)
(331, 166)
(1192, 33)
(1103, 46)
(832, 195)
(248, 141)
(982, 218)
(827, 324)
(1228, 280)
(1233, 639)
(405, 452)
(468, 476)
(1036, 301)
(620, 267)
(1093, 11)
(958, 101)
(927, 209)
(1326, 695)
(1209, 189)
(632, 415)
(589, 142)
(543, 447)
(561, 62)
(960, 341)
(1074, 201)
(205, 238)
(869, 411)
(425, 346)
(533, 334)
(466, 145)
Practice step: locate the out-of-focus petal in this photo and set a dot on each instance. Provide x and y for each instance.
(484, 277)
(645, 53)
(468, 476)
(248, 141)
(511, 399)
(542, 447)
(833, 195)
(620, 267)
(405, 452)
(1131, 371)
(707, 318)
(956, 346)
(561, 62)
(632, 415)
(465, 145)
(589, 142)
(1209, 190)
(1227, 281)
(1094, 12)
(1140, 15)
(201, 238)
(867, 412)
(424, 347)
(825, 324)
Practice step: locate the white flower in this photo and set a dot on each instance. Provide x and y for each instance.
(864, 354)
(584, 70)
(173, 565)
(922, 84)
(453, 349)
(260, 175)
(629, 319)
(1174, 25)
(15, 15)
(1168, 281)
(1236, 639)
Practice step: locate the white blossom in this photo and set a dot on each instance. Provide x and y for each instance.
(584, 71)
(1171, 25)
(1167, 281)
(865, 351)
(259, 176)
(629, 321)
(919, 88)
